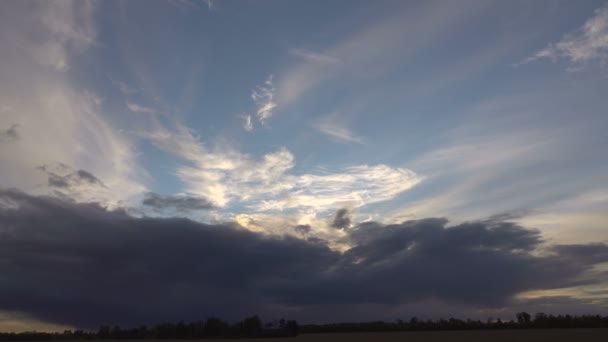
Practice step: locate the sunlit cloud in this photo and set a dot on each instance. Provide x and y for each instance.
(263, 97)
(589, 43)
(58, 122)
(247, 123)
(267, 184)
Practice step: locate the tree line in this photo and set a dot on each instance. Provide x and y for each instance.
(254, 327)
(211, 328)
(523, 320)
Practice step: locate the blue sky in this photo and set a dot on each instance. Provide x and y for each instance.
(279, 113)
(450, 94)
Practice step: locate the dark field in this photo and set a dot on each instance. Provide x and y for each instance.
(577, 335)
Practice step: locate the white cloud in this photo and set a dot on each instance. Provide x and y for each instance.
(58, 121)
(355, 186)
(68, 29)
(330, 126)
(248, 123)
(267, 184)
(588, 43)
(263, 97)
(136, 108)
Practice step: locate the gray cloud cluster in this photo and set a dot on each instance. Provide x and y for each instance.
(302, 229)
(104, 266)
(10, 134)
(61, 176)
(177, 203)
(341, 220)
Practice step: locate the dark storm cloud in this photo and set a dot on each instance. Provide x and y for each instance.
(178, 203)
(302, 229)
(341, 220)
(591, 253)
(10, 134)
(61, 176)
(100, 266)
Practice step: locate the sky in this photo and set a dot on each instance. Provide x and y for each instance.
(318, 160)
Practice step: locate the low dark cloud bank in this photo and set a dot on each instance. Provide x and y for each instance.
(177, 203)
(83, 265)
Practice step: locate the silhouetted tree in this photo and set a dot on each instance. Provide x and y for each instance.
(523, 318)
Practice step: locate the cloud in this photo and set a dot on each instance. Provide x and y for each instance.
(63, 177)
(60, 120)
(372, 50)
(210, 4)
(10, 134)
(589, 43)
(313, 56)
(302, 229)
(124, 88)
(78, 185)
(193, 4)
(177, 203)
(247, 123)
(102, 266)
(267, 184)
(341, 220)
(263, 97)
(136, 108)
(330, 126)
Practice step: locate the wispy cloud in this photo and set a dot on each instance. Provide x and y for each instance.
(124, 88)
(334, 129)
(263, 97)
(313, 56)
(210, 4)
(136, 108)
(589, 43)
(403, 33)
(192, 4)
(248, 123)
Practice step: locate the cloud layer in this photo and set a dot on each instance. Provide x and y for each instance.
(102, 266)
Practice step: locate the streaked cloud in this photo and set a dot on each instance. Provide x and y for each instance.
(587, 44)
(247, 123)
(192, 4)
(263, 97)
(124, 88)
(403, 32)
(314, 57)
(136, 108)
(333, 128)
(210, 4)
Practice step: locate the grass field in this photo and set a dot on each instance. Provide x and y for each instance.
(553, 335)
